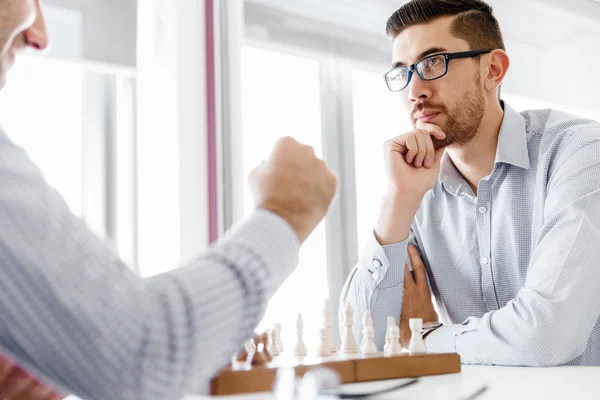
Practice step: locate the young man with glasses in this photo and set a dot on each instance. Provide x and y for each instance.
(79, 319)
(497, 212)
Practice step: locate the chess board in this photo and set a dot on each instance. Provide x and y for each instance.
(241, 378)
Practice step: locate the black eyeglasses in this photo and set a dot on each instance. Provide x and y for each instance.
(430, 68)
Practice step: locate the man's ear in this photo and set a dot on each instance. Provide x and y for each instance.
(496, 70)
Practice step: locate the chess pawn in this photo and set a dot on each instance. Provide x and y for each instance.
(265, 342)
(368, 346)
(273, 346)
(416, 344)
(278, 328)
(394, 348)
(300, 349)
(259, 357)
(367, 320)
(249, 348)
(327, 315)
(324, 347)
(391, 321)
(348, 342)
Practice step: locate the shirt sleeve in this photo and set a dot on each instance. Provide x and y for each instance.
(551, 319)
(376, 284)
(74, 315)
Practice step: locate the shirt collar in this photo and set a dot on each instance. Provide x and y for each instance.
(512, 140)
(512, 149)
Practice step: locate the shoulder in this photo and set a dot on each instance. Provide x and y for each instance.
(558, 131)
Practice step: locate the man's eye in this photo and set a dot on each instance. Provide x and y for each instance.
(433, 61)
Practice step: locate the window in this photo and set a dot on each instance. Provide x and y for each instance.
(281, 97)
(43, 113)
(378, 115)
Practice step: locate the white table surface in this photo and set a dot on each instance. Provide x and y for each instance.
(505, 383)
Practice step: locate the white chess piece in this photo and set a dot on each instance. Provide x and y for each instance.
(367, 320)
(277, 327)
(249, 346)
(391, 321)
(348, 342)
(327, 315)
(388, 340)
(417, 344)
(273, 347)
(369, 346)
(324, 347)
(300, 348)
(394, 348)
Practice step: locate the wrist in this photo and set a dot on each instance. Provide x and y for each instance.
(395, 218)
(295, 221)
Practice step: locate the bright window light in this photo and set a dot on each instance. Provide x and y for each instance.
(281, 97)
(379, 115)
(42, 112)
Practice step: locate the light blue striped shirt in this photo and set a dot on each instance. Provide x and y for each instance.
(515, 269)
(73, 314)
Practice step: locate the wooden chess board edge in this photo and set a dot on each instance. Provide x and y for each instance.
(261, 379)
(371, 369)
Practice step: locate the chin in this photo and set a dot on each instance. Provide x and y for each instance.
(438, 144)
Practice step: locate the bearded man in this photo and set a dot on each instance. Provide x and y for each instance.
(494, 212)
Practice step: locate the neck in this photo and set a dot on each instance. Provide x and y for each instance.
(475, 160)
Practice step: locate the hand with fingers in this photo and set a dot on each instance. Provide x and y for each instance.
(416, 302)
(294, 184)
(17, 384)
(412, 163)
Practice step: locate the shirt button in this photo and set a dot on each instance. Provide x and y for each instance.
(482, 210)
(376, 263)
(375, 276)
(485, 260)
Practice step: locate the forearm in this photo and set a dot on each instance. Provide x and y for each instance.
(110, 334)
(551, 319)
(396, 215)
(376, 284)
(79, 319)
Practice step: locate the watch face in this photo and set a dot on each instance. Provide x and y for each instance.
(431, 325)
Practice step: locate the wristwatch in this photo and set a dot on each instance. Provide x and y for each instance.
(429, 327)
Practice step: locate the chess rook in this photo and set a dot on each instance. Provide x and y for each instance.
(416, 344)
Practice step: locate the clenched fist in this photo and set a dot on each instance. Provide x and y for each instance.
(406, 155)
(294, 184)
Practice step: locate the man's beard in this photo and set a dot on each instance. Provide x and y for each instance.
(461, 125)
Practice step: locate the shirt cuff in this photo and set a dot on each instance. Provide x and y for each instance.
(383, 266)
(443, 339)
(273, 240)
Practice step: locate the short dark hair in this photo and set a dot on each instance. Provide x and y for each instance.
(474, 22)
